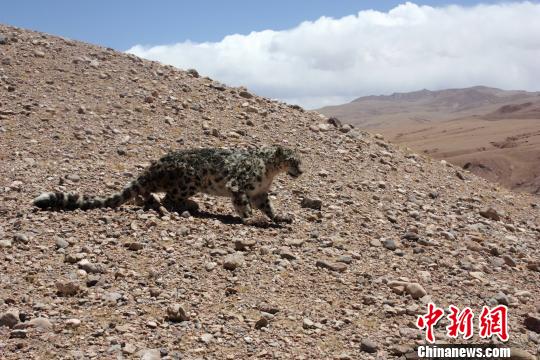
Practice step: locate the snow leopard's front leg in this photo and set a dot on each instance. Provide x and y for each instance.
(263, 203)
(241, 205)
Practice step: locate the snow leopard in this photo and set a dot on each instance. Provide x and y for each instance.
(244, 175)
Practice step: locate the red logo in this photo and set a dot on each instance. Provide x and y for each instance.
(429, 320)
(494, 322)
(491, 322)
(460, 322)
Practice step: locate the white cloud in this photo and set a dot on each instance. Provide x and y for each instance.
(410, 47)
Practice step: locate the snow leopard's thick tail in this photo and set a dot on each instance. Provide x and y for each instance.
(71, 201)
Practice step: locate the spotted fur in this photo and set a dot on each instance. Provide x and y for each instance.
(243, 175)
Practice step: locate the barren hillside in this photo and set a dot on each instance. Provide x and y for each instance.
(505, 151)
(395, 231)
(428, 107)
(492, 132)
(520, 110)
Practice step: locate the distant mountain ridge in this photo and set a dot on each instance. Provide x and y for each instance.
(526, 110)
(491, 132)
(427, 106)
(481, 91)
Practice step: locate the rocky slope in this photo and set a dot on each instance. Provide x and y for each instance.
(395, 229)
(493, 133)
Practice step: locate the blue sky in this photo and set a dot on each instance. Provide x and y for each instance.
(311, 52)
(122, 24)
